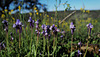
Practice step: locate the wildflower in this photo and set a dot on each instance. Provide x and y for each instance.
(43, 32)
(79, 53)
(30, 14)
(54, 29)
(2, 45)
(13, 18)
(9, 13)
(18, 25)
(43, 26)
(79, 43)
(99, 49)
(88, 11)
(2, 16)
(47, 15)
(37, 13)
(5, 24)
(11, 10)
(11, 36)
(37, 27)
(31, 22)
(6, 10)
(89, 26)
(35, 8)
(40, 14)
(19, 8)
(37, 22)
(47, 31)
(61, 36)
(81, 9)
(63, 32)
(51, 18)
(72, 27)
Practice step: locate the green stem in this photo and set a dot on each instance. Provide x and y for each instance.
(19, 39)
(48, 46)
(87, 42)
(71, 45)
(43, 46)
(36, 44)
(54, 46)
(19, 43)
(86, 49)
(31, 40)
(7, 43)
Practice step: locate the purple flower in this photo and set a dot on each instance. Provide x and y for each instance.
(79, 43)
(54, 29)
(11, 36)
(46, 30)
(99, 49)
(89, 26)
(61, 36)
(31, 22)
(72, 27)
(3, 45)
(43, 26)
(79, 53)
(37, 22)
(37, 26)
(63, 32)
(18, 25)
(5, 24)
(43, 32)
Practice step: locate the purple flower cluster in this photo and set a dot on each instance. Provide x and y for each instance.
(2, 45)
(31, 22)
(37, 27)
(46, 30)
(18, 25)
(79, 53)
(89, 26)
(5, 25)
(54, 29)
(72, 27)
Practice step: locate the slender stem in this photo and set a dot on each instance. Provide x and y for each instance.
(71, 45)
(43, 46)
(7, 43)
(7, 38)
(87, 42)
(86, 49)
(31, 39)
(19, 43)
(37, 43)
(19, 39)
(54, 46)
(80, 50)
(48, 46)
